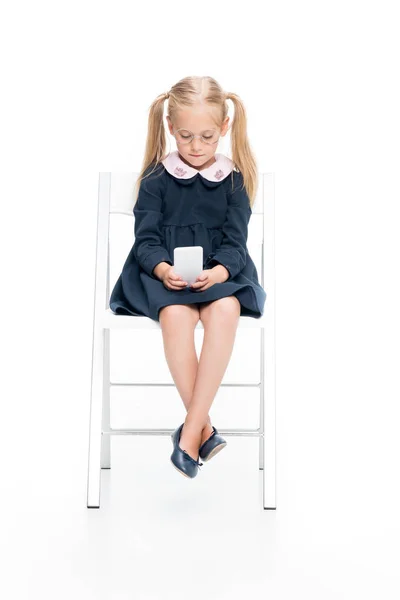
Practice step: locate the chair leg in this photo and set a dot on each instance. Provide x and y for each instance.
(106, 439)
(269, 419)
(95, 428)
(261, 448)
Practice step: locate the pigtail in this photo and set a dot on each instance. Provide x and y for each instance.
(155, 141)
(242, 154)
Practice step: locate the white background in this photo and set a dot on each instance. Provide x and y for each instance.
(321, 88)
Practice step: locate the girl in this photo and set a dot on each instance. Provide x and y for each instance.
(194, 197)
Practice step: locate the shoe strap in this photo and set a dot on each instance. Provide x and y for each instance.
(209, 438)
(199, 464)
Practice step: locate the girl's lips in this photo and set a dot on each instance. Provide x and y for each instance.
(196, 155)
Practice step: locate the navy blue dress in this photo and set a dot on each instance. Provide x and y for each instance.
(173, 210)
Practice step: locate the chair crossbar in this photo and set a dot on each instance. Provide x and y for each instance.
(142, 431)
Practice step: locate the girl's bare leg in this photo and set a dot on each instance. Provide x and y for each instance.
(178, 323)
(220, 319)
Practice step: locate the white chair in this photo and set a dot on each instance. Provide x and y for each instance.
(116, 196)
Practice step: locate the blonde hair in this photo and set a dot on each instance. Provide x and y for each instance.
(191, 91)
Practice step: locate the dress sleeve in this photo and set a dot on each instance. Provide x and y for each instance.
(233, 249)
(148, 247)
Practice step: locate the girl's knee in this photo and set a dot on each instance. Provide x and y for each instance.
(178, 313)
(228, 307)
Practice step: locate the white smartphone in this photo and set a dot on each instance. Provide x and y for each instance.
(188, 262)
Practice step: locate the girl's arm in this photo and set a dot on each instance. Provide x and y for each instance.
(148, 248)
(232, 252)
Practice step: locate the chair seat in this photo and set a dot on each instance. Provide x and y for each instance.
(110, 320)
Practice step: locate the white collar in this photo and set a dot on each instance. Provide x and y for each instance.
(215, 172)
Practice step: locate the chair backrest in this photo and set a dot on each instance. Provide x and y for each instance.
(116, 196)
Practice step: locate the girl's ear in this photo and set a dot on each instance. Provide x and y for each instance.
(225, 126)
(170, 126)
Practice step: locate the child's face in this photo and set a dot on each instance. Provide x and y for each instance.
(197, 120)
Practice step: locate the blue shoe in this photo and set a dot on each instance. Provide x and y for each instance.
(212, 445)
(181, 459)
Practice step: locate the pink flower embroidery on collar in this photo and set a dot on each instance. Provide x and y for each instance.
(219, 174)
(179, 171)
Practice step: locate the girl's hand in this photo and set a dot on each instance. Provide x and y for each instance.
(208, 277)
(171, 280)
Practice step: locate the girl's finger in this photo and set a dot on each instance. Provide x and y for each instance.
(178, 285)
